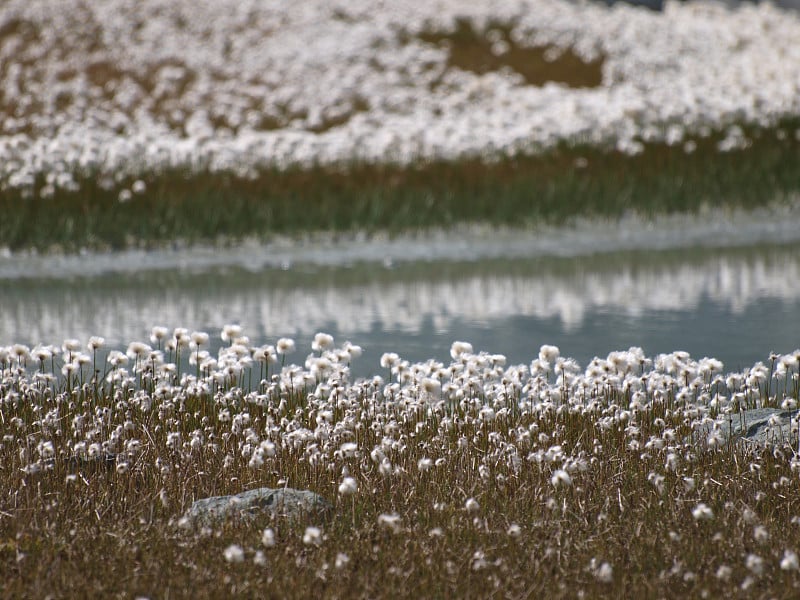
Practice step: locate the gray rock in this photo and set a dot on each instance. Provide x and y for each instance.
(762, 426)
(257, 506)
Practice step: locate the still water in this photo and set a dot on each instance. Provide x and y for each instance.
(416, 296)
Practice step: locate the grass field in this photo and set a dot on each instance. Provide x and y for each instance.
(553, 188)
(474, 479)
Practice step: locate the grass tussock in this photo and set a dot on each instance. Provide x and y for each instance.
(553, 188)
(473, 479)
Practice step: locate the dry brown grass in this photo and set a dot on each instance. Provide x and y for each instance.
(71, 531)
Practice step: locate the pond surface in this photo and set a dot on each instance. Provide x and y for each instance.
(506, 293)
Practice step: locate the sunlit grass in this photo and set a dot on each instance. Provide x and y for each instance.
(472, 479)
(553, 188)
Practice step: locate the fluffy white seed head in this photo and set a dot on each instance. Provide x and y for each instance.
(312, 536)
(348, 487)
(285, 346)
(702, 512)
(390, 522)
(561, 479)
(268, 537)
(322, 342)
(790, 562)
(234, 554)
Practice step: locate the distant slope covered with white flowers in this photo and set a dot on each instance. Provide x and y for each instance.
(239, 85)
(117, 91)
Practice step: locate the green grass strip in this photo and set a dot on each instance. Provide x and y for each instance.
(567, 182)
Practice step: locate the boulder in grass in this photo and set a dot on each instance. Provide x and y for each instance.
(257, 506)
(762, 426)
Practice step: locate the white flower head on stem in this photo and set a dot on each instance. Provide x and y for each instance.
(230, 332)
(199, 338)
(389, 360)
(322, 342)
(234, 554)
(95, 343)
(549, 353)
(561, 479)
(341, 560)
(285, 346)
(312, 536)
(158, 334)
(702, 512)
(790, 562)
(268, 538)
(348, 487)
(390, 522)
(459, 348)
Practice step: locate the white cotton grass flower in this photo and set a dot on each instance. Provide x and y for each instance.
(234, 554)
(158, 334)
(41, 353)
(230, 332)
(389, 360)
(265, 355)
(21, 351)
(352, 350)
(181, 337)
(457, 349)
(424, 464)
(790, 561)
(561, 479)
(199, 338)
(312, 536)
(117, 359)
(348, 449)
(348, 487)
(604, 572)
(95, 343)
(268, 538)
(514, 530)
(46, 449)
(431, 386)
(341, 560)
(260, 559)
(755, 564)
(479, 560)
(390, 522)
(256, 459)
(760, 534)
(284, 346)
(724, 572)
(702, 512)
(322, 342)
(138, 351)
(789, 403)
(71, 345)
(471, 505)
(549, 353)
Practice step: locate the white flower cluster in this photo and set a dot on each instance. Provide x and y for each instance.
(119, 89)
(475, 389)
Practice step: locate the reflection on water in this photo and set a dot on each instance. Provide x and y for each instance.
(736, 304)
